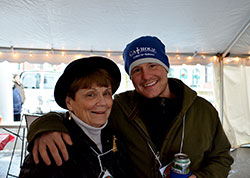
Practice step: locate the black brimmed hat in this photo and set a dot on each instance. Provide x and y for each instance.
(81, 67)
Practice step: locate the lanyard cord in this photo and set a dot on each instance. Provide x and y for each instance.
(99, 159)
(183, 132)
(157, 157)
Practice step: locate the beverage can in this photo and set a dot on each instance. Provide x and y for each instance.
(180, 164)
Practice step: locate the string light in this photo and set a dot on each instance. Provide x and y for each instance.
(237, 59)
(203, 56)
(114, 54)
(14, 54)
(108, 53)
(78, 56)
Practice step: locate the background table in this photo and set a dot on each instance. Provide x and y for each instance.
(15, 125)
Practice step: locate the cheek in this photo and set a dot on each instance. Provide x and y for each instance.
(82, 106)
(110, 102)
(135, 81)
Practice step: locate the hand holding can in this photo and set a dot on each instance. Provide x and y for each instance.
(180, 166)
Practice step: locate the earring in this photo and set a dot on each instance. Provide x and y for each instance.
(70, 115)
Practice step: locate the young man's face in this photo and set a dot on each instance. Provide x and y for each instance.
(150, 80)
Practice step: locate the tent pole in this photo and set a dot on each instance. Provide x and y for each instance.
(221, 87)
(225, 53)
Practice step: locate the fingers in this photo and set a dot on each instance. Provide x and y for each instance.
(52, 142)
(67, 138)
(35, 152)
(56, 146)
(40, 148)
(62, 146)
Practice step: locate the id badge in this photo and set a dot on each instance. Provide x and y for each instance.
(165, 171)
(107, 174)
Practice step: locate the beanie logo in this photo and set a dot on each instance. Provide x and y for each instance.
(142, 52)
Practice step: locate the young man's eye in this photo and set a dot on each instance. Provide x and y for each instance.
(152, 65)
(136, 70)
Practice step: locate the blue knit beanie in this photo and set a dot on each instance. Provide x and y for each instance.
(145, 49)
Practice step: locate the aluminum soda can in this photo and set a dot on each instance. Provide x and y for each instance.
(180, 166)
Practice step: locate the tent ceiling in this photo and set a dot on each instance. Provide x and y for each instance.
(184, 26)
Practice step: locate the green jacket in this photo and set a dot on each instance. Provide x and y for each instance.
(205, 141)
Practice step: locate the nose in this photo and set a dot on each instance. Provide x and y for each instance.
(145, 74)
(101, 100)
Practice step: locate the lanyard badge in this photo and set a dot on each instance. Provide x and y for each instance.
(165, 171)
(107, 174)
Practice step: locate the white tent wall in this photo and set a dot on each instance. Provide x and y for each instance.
(6, 99)
(233, 99)
(236, 107)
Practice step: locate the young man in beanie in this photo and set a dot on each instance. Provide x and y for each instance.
(160, 118)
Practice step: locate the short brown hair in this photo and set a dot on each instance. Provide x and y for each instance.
(100, 77)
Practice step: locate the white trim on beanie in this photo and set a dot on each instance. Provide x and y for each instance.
(146, 60)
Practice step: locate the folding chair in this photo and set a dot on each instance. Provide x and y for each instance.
(14, 147)
(29, 118)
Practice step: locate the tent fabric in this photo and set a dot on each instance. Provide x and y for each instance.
(236, 104)
(184, 26)
(235, 100)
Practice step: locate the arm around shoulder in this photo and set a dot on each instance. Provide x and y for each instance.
(49, 122)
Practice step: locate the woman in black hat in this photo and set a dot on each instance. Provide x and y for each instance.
(85, 89)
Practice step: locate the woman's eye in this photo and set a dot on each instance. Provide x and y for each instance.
(108, 93)
(90, 94)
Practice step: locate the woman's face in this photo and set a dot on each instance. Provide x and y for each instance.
(92, 105)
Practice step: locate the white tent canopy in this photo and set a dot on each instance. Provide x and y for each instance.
(189, 28)
(193, 26)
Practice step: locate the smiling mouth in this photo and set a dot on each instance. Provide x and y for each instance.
(150, 84)
(100, 112)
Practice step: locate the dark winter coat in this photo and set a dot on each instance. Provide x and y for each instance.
(83, 161)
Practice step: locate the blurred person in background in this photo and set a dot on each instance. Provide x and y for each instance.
(18, 84)
(17, 103)
(18, 97)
